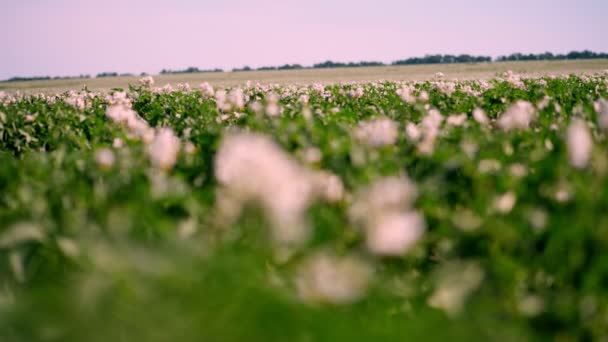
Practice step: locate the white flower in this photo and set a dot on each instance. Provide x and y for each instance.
(530, 305)
(105, 158)
(505, 202)
(580, 144)
(514, 79)
(413, 132)
(164, 149)
(455, 282)
(386, 194)
(31, 117)
(120, 113)
(424, 96)
(430, 126)
(20, 233)
(407, 94)
(220, 100)
(447, 88)
(251, 167)
(207, 89)
(326, 278)
(377, 132)
(312, 155)
(237, 98)
(272, 105)
(395, 232)
(357, 93)
(146, 82)
(117, 143)
(480, 116)
(538, 219)
(185, 87)
(328, 186)
(518, 116)
(384, 210)
(456, 119)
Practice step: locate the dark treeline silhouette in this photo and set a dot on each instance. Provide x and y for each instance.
(190, 70)
(282, 67)
(428, 59)
(440, 59)
(548, 56)
(324, 65)
(245, 68)
(330, 64)
(45, 78)
(443, 59)
(113, 74)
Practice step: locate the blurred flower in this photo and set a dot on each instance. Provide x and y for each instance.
(377, 132)
(454, 283)
(424, 96)
(105, 158)
(456, 119)
(505, 202)
(407, 94)
(272, 105)
(580, 144)
(530, 305)
(538, 219)
(384, 210)
(394, 232)
(480, 116)
(20, 233)
(117, 143)
(413, 132)
(326, 278)
(164, 149)
(207, 89)
(251, 167)
(518, 116)
(430, 126)
(31, 117)
(146, 82)
(237, 98)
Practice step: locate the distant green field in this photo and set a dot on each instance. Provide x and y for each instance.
(418, 72)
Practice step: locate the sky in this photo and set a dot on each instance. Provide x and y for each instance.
(72, 37)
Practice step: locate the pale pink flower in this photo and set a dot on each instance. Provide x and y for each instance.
(580, 144)
(164, 149)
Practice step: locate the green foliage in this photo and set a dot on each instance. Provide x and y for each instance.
(89, 253)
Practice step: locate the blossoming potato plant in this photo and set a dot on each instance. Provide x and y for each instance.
(361, 211)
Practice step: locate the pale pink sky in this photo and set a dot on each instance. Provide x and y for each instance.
(70, 37)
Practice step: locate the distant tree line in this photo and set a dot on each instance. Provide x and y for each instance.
(113, 74)
(324, 65)
(45, 78)
(330, 64)
(282, 67)
(443, 59)
(548, 56)
(428, 59)
(439, 59)
(190, 70)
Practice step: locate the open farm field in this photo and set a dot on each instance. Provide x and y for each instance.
(309, 76)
